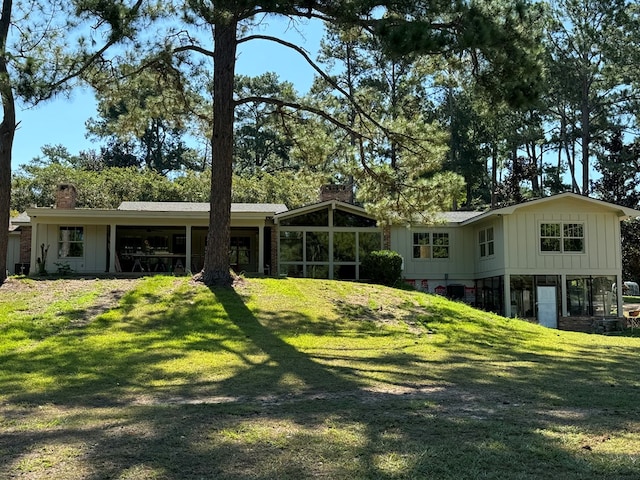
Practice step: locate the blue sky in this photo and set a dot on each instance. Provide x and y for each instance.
(62, 120)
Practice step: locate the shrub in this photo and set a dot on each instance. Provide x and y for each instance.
(382, 266)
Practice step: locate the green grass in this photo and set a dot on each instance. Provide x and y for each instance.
(291, 379)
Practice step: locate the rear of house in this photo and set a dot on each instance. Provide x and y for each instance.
(554, 260)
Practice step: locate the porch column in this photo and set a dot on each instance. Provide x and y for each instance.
(187, 260)
(507, 295)
(563, 293)
(261, 250)
(619, 295)
(112, 249)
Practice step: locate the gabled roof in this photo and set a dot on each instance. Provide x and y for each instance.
(333, 204)
(18, 221)
(271, 208)
(620, 211)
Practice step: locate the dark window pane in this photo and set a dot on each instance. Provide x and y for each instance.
(421, 239)
(318, 271)
(317, 247)
(346, 219)
(573, 245)
(290, 246)
(440, 252)
(550, 244)
(368, 242)
(344, 272)
(550, 230)
(319, 218)
(344, 247)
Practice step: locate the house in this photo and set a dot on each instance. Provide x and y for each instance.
(553, 260)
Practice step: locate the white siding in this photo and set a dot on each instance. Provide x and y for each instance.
(94, 259)
(13, 253)
(601, 239)
(458, 267)
(490, 265)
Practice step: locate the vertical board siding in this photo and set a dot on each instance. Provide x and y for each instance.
(95, 248)
(522, 237)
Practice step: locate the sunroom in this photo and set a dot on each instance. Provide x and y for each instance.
(326, 240)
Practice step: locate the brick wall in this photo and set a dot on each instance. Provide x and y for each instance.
(576, 324)
(386, 238)
(66, 195)
(342, 193)
(25, 244)
(274, 247)
(586, 324)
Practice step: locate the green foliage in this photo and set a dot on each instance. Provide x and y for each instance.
(382, 266)
(294, 189)
(263, 137)
(35, 184)
(64, 269)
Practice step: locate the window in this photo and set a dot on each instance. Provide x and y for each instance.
(562, 237)
(440, 245)
(485, 240)
(319, 218)
(430, 245)
(346, 219)
(240, 252)
(71, 242)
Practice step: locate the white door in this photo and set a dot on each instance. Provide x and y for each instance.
(547, 307)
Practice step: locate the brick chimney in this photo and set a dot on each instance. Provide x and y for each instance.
(66, 196)
(342, 193)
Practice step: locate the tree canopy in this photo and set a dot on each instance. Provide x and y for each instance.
(421, 106)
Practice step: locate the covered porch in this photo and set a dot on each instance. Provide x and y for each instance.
(147, 237)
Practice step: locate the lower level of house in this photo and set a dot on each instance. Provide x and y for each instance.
(555, 300)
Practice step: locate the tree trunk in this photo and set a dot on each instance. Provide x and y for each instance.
(216, 270)
(494, 176)
(7, 132)
(586, 137)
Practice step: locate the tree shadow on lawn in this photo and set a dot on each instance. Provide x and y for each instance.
(327, 424)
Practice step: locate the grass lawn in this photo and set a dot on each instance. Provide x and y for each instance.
(159, 378)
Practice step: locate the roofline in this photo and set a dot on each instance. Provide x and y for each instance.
(316, 206)
(623, 212)
(110, 214)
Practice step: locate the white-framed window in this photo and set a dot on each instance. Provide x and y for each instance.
(485, 241)
(71, 242)
(561, 237)
(427, 245)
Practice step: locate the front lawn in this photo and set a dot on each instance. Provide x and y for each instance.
(288, 379)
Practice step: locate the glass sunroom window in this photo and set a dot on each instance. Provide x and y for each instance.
(291, 246)
(344, 246)
(317, 246)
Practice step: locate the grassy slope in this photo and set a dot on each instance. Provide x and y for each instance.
(303, 378)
